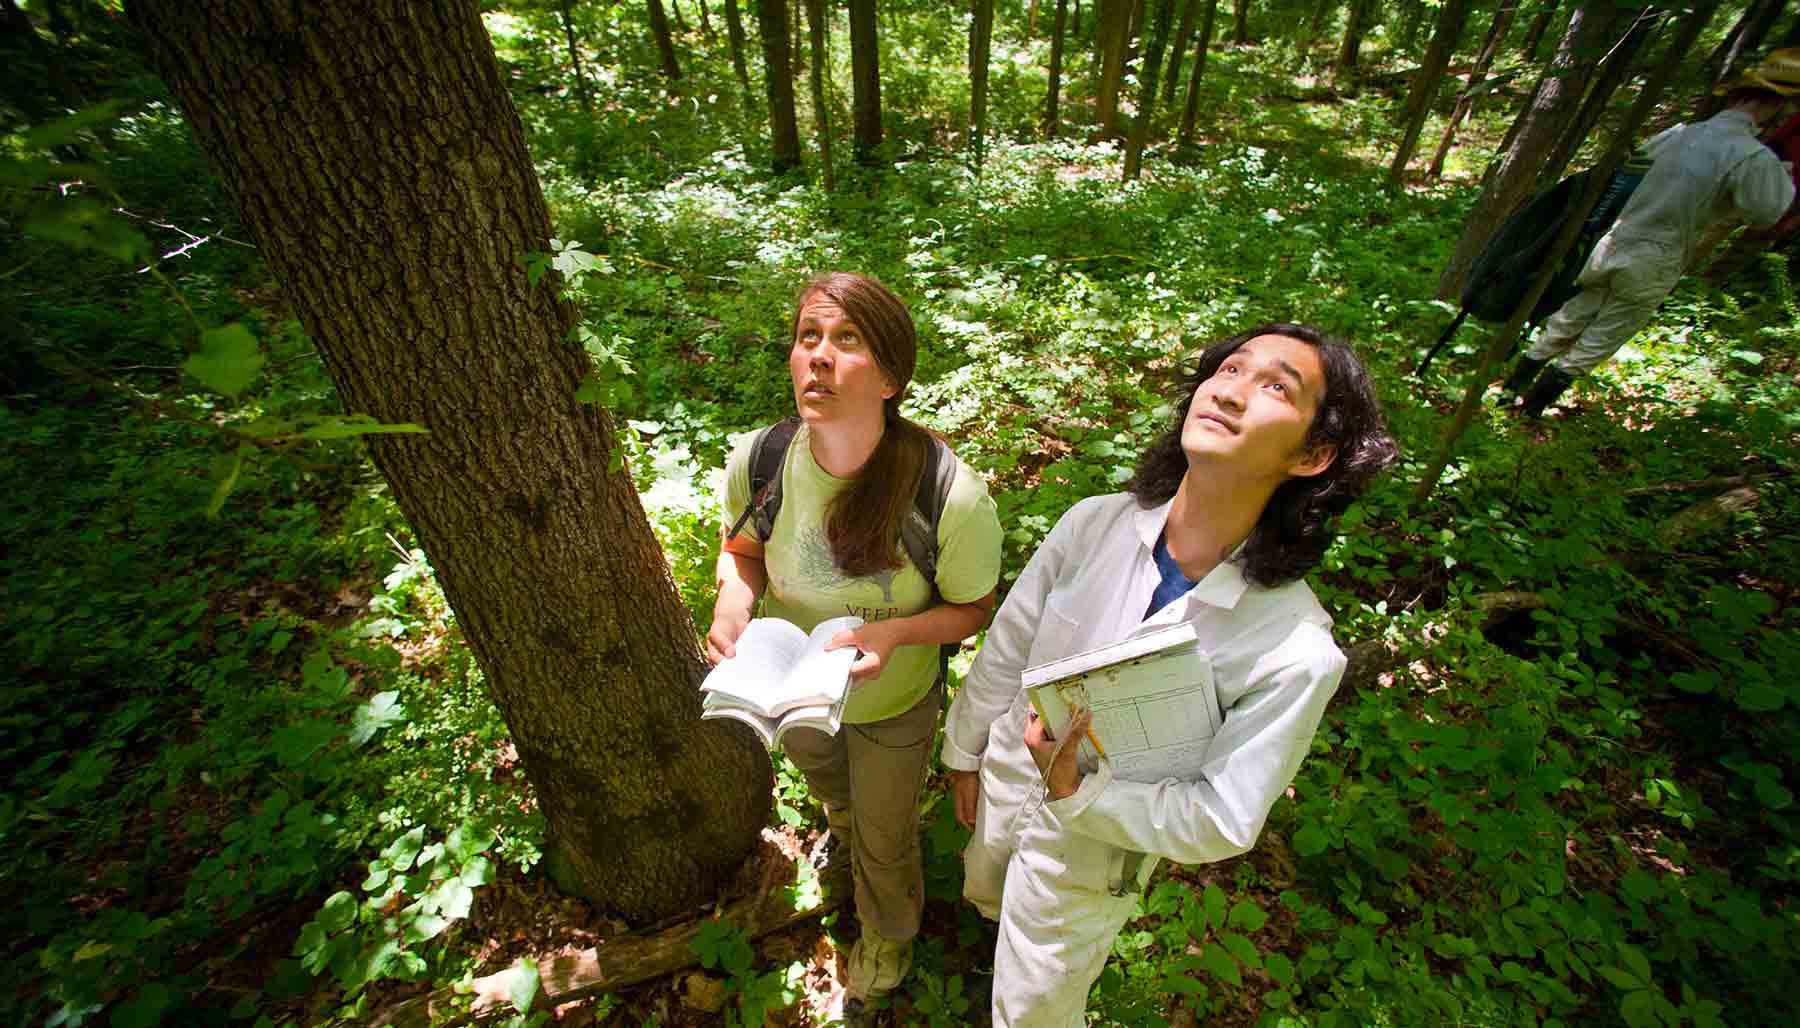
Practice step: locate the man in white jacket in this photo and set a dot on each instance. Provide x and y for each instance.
(1704, 175)
(1279, 430)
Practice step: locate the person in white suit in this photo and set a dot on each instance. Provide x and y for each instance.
(1279, 430)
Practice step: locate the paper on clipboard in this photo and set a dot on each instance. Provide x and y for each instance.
(1154, 705)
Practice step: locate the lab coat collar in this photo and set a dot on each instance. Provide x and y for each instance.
(1222, 587)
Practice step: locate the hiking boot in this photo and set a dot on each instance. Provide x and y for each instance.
(1545, 391)
(877, 966)
(1520, 379)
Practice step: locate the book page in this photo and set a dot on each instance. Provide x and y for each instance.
(820, 676)
(716, 705)
(1154, 717)
(766, 652)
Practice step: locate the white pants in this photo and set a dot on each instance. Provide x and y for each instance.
(1049, 889)
(1621, 287)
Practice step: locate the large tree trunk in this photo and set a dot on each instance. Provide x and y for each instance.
(734, 33)
(1184, 33)
(665, 46)
(778, 83)
(865, 81)
(1534, 32)
(981, 33)
(565, 10)
(815, 27)
(1184, 139)
(1537, 129)
(1451, 18)
(1620, 60)
(1052, 117)
(1111, 27)
(1162, 13)
(374, 153)
(1465, 102)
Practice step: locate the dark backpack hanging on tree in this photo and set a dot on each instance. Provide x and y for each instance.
(1502, 274)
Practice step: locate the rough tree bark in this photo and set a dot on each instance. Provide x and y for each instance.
(372, 150)
(1465, 102)
(734, 33)
(815, 27)
(1451, 18)
(1052, 117)
(778, 84)
(1620, 62)
(1356, 23)
(1184, 33)
(1539, 125)
(865, 81)
(665, 45)
(1162, 13)
(1184, 138)
(1744, 39)
(1111, 32)
(981, 33)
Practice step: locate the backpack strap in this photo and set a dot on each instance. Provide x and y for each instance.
(767, 455)
(918, 533)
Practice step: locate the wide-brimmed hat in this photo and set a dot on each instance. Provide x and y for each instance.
(1779, 72)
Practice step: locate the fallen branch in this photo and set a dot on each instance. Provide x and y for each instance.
(1701, 518)
(1700, 484)
(615, 964)
(1366, 660)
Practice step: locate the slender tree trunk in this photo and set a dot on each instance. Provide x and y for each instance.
(374, 154)
(1639, 27)
(1450, 21)
(1355, 25)
(1184, 139)
(665, 46)
(1503, 339)
(778, 83)
(1184, 33)
(1534, 32)
(1240, 33)
(1320, 16)
(1031, 14)
(1075, 23)
(734, 34)
(1728, 58)
(815, 25)
(1412, 16)
(865, 81)
(981, 31)
(1162, 13)
(1110, 31)
(797, 48)
(1465, 102)
(1052, 118)
(1791, 35)
(565, 9)
(680, 22)
(1539, 125)
(706, 21)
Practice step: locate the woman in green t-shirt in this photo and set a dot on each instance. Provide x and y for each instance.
(848, 480)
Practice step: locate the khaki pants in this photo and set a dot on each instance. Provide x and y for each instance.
(1621, 287)
(876, 770)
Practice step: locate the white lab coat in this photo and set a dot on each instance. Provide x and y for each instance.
(1703, 174)
(1054, 873)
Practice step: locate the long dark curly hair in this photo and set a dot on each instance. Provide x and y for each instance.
(1295, 528)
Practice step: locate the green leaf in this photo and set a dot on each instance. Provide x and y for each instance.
(1241, 948)
(86, 224)
(477, 872)
(1311, 840)
(592, 389)
(426, 927)
(1246, 915)
(68, 129)
(338, 913)
(369, 964)
(1750, 357)
(401, 853)
(1622, 979)
(1221, 966)
(1639, 1010)
(226, 469)
(1280, 968)
(1772, 794)
(1760, 697)
(522, 987)
(347, 425)
(1636, 963)
(146, 1008)
(295, 744)
(228, 359)
(382, 710)
(1214, 898)
(458, 899)
(467, 840)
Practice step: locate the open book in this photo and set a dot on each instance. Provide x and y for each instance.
(1154, 704)
(782, 678)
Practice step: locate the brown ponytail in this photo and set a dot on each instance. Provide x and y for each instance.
(863, 522)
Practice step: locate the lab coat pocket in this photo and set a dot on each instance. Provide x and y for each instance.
(1057, 632)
